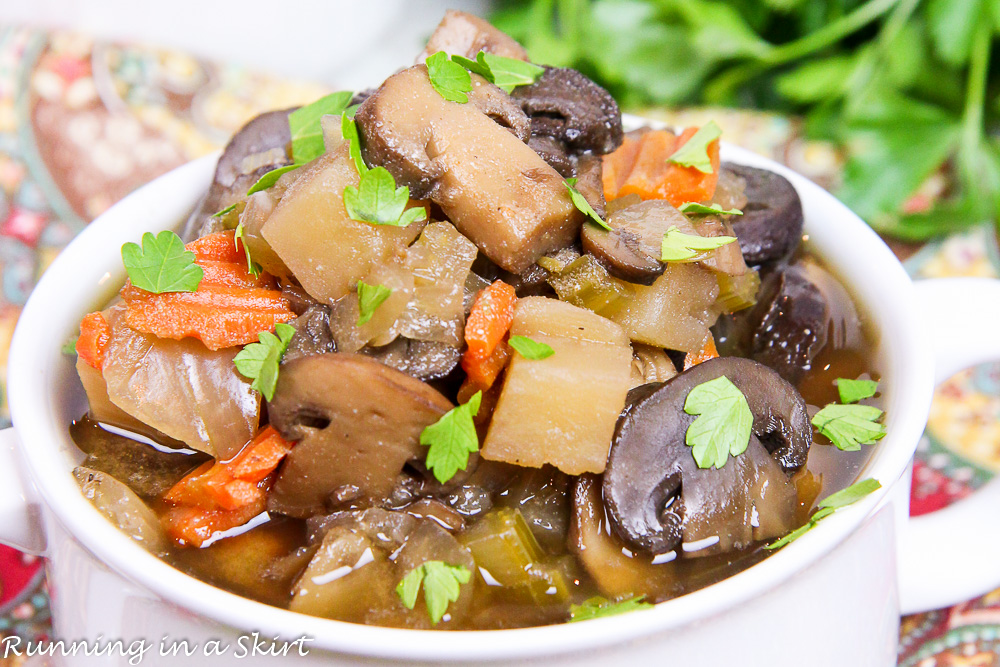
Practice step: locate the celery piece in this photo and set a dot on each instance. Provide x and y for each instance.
(737, 292)
(585, 283)
(502, 544)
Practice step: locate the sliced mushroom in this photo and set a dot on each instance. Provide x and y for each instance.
(631, 250)
(501, 109)
(493, 187)
(565, 105)
(260, 146)
(358, 422)
(590, 183)
(771, 225)
(421, 359)
(312, 334)
(802, 310)
(555, 154)
(657, 497)
(466, 35)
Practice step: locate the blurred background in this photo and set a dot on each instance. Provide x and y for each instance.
(891, 104)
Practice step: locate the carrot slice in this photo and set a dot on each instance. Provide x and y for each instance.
(191, 526)
(488, 323)
(483, 374)
(706, 352)
(232, 484)
(651, 176)
(618, 165)
(230, 307)
(95, 333)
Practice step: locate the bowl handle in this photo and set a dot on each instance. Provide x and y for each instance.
(20, 518)
(951, 555)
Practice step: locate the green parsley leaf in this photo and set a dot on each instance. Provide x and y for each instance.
(228, 209)
(530, 349)
(505, 73)
(694, 152)
(852, 391)
(451, 439)
(270, 178)
(252, 266)
(259, 361)
(714, 209)
(349, 128)
(69, 347)
(378, 201)
(162, 264)
(724, 423)
(442, 586)
(583, 205)
(370, 297)
(849, 426)
(448, 78)
(828, 506)
(307, 132)
(598, 607)
(680, 247)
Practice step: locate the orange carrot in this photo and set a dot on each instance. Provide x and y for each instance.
(230, 307)
(95, 333)
(488, 323)
(191, 526)
(483, 374)
(706, 352)
(649, 174)
(232, 484)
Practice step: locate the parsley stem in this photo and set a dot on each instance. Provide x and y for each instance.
(720, 90)
(975, 95)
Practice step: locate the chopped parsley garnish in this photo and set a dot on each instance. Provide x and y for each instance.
(505, 73)
(270, 178)
(695, 208)
(530, 349)
(828, 506)
(252, 266)
(370, 297)
(451, 439)
(228, 209)
(598, 607)
(582, 205)
(849, 426)
(306, 128)
(259, 361)
(723, 425)
(448, 78)
(679, 247)
(694, 152)
(378, 201)
(162, 264)
(442, 586)
(349, 128)
(852, 391)
(69, 347)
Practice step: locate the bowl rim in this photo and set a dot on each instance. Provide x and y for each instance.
(34, 404)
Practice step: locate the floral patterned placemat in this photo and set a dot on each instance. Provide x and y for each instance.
(83, 123)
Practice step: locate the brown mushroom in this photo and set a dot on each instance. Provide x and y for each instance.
(357, 423)
(631, 250)
(466, 35)
(260, 146)
(657, 497)
(501, 109)
(493, 187)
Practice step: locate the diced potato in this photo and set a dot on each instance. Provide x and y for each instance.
(182, 389)
(674, 312)
(313, 235)
(561, 410)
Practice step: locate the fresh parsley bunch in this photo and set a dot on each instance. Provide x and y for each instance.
(905, 86)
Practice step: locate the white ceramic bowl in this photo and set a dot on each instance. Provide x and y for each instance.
(43, 402)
